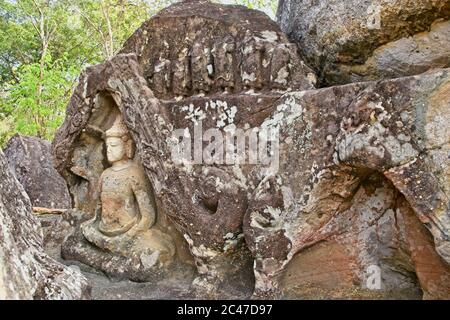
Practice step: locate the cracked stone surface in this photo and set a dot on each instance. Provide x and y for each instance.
(331, 141)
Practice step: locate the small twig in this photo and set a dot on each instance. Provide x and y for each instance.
(41, 211)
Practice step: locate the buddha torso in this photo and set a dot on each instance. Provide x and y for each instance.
(119, 209)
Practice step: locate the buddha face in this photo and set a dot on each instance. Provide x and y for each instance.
(115, 149)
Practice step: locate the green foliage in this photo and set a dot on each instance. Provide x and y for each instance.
(34, 111)
(44, 44)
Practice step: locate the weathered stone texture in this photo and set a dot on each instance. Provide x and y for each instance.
(200, 47)
(31, 161)
(26, 271)
(332, 141)
(349, 41)
(362, 172)
(196, 62)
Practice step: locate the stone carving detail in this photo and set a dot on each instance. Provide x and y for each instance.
(202, 68)
(224, 64)
(188, 71)
(181, 76)
(161, 79)
(326, 180)
(119, 229)
(252, 64)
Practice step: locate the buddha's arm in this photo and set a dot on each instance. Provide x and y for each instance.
(146, 208)
(98, 206)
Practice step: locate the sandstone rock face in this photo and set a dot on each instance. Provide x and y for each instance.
(26, 272)
(31, 161)
(352, 180)
(199, 66)
(332, 142)
(349, 41)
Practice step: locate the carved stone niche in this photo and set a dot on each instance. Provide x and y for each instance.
(119, 229)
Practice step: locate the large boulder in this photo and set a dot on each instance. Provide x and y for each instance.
(356, 174)
(194, 66)
(31, 161)
(362, 181)
(353, 40)
(339, 146)
(26, 271)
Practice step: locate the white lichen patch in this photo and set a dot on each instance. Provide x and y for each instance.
(150, 260)
(375, 139)
(210, 69)
(200, 251)
(248, 77)
(285, 114)
(225, 115)
(288, 197)
(194, 114)
(160, 65)
(273, 223)
(437, 131)
(312, 78)
(269, 36)
(282, 76)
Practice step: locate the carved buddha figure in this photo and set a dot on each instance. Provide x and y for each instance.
(125, 203)
(125, 217)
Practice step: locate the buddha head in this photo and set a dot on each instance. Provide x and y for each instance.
(119, 145)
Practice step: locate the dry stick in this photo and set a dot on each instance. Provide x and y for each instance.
(41, 211)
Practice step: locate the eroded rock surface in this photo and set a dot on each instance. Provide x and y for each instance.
(31, 161)
(200, 47)
(350, 41)
(333, 140)
(26, 271)
(222, 69)
(356, 174)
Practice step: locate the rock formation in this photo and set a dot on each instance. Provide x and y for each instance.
(31, 161)
(338, 148)
(265, 180)
(352, 40)
(232, 83)
(27, 272)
